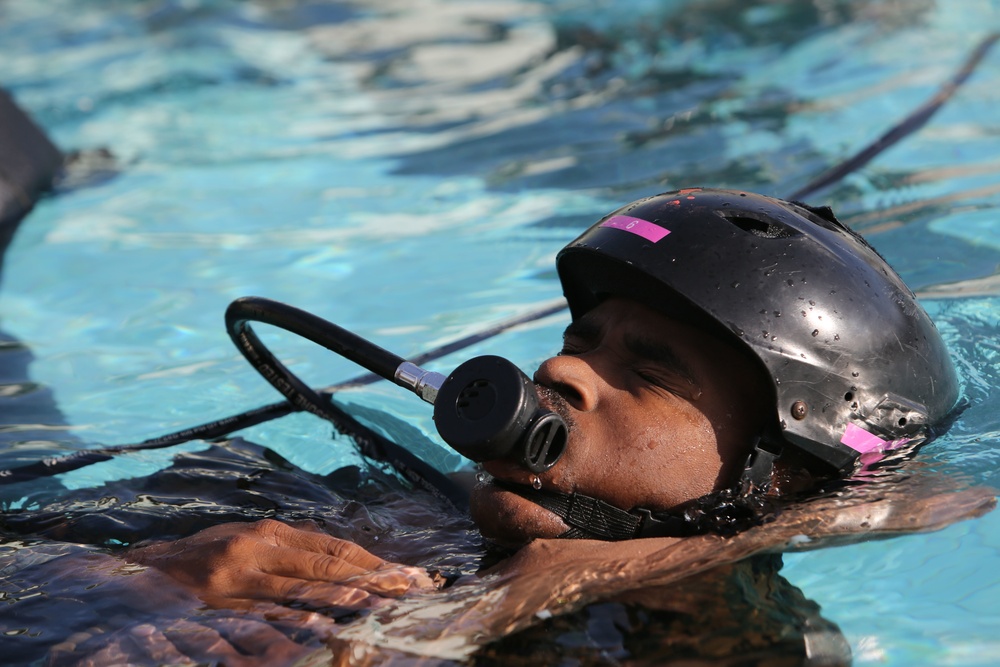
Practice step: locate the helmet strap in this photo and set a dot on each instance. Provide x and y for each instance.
(760, 465)
(593, 518)
(596, 519)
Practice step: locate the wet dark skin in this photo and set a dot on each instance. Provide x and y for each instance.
(659, 412)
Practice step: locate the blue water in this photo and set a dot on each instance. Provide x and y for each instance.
(410, 172)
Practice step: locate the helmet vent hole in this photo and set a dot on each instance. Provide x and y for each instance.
(849, 396)
(765, 229)
(902, 421)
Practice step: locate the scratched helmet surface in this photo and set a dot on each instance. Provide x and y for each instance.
(856, 363)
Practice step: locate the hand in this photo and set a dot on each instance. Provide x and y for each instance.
(235, 563)
(233, 641)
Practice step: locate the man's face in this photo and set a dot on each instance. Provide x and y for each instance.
(660, 413)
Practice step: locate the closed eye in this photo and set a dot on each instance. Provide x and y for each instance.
(579, 337)
(569, 350)
(678, 385)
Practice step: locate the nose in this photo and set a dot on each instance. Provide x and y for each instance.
(572, 378)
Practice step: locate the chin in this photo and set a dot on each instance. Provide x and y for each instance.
(508, 519)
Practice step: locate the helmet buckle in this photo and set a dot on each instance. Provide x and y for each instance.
(759, 465)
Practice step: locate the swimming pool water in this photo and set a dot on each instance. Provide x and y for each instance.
(409, 170)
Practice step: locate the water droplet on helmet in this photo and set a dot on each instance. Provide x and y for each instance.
(536, 483)
(815, 332)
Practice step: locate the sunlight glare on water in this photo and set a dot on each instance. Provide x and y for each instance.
(409, 170)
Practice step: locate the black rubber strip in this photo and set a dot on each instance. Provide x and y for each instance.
(904, 128)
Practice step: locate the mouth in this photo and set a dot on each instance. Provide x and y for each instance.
(503, 514)
(502, 473)
(552, 400)
(507, 475)
(514, 472)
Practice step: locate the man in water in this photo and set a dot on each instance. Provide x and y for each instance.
(626, 374)
(727, 353)
(727, 350)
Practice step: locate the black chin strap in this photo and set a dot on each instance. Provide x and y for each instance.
(595, 519)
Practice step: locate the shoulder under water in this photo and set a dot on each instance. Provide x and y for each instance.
(659, 601)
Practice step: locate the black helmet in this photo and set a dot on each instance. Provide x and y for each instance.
(856, 363)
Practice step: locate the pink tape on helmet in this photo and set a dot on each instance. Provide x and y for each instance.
(637, 226)
(861, 440)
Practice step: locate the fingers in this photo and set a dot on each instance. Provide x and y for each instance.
(117, 648)
(332, 600)
(233, 641)
(298, 553)
(253, 638)
(273, 560)
(284, 535)
(389, 580)
(317, 592)
(153, 643)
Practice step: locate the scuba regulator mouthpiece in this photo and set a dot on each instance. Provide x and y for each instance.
(487, 409)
